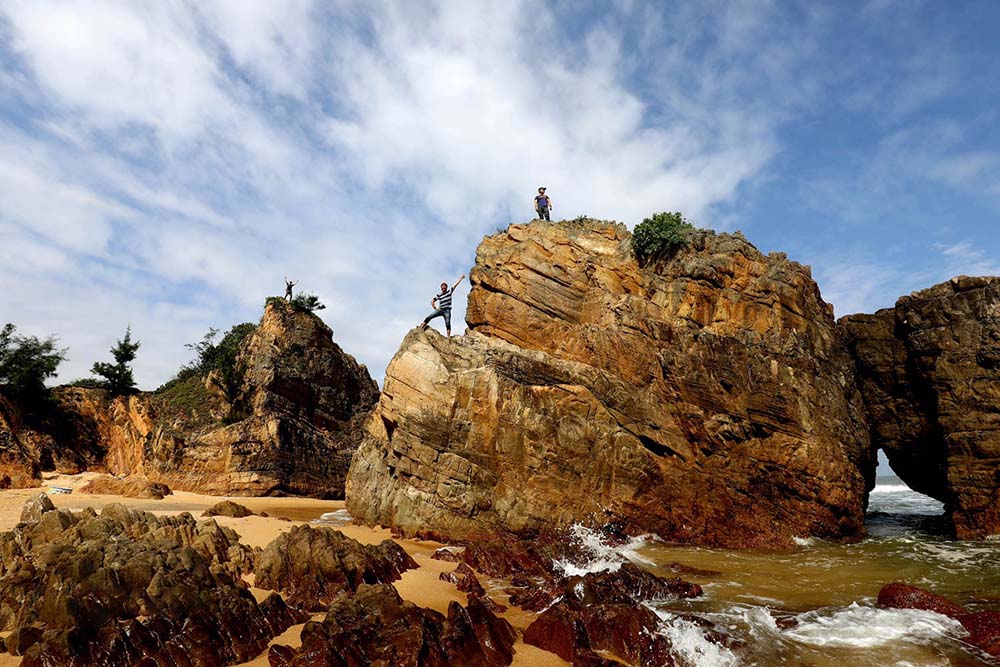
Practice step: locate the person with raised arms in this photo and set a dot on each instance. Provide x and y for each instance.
(442, 306)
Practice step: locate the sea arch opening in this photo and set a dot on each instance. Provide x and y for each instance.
(894, 508)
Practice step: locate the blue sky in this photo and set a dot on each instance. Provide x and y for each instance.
(165, 164)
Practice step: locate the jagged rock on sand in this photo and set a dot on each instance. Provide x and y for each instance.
(375, 626)
(130, 486)
(929, 369)
(228, 508)
(312, 566)
(122, 586)
(707, 397)
(35, 507)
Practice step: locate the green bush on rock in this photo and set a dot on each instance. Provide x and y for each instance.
(659, 234)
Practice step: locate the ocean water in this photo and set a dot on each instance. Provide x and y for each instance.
(815, 605)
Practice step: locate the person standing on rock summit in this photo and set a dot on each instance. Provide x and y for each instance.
(442, 306)
(542, 204)
(288, 288)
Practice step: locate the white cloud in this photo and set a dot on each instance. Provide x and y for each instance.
(165, 164)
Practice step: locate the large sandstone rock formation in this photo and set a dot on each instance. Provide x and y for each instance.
(929, 370)
(300, 410)
(292, 426)
(707, 397)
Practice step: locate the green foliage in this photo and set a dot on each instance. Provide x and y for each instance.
(302, 302)
(659, 234)
(307, 302)
(118, 378)
(185, 399)
(212, 356)
(583, 217)
(86, 383)
(26, 362)
(218, 357)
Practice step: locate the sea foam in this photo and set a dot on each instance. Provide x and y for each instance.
(598, 555)
(858, 626)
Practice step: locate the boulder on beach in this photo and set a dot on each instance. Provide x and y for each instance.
(228, 508)
(312, 566)
(706, 396)
(983, 626)
(129, 486)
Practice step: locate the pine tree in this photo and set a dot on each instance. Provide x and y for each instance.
(118, 378)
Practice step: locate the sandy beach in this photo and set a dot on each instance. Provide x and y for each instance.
(420, 586)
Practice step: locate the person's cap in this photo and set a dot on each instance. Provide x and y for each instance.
(540, 189)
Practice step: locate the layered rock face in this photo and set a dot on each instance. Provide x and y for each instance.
(18, 469)
(707, 397)
(303, 401)
(291, 428)
(929, 369)
(66, 433)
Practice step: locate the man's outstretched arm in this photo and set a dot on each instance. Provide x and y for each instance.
(457, 282)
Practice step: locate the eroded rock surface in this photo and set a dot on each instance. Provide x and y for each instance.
(124, 588)
(312, 566)
(929, 369)
(707, 397)
(228, 508)
(130, 486)
(298, 417)
(376, 627)
(291, 427)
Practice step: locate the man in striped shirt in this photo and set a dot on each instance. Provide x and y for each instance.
(442, 305)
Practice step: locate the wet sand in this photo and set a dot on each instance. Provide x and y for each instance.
(420, 586)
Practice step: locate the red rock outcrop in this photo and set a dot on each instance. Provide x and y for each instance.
(18, 468)
(312, 566)
(300, 408)
(707, 397)
(929, 370)
(983, 626)
(376, 627)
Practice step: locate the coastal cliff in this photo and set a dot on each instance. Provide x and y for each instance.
(929, 369)
(707, 397)
(291, 426)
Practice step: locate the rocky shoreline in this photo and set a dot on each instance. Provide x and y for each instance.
(706, 396)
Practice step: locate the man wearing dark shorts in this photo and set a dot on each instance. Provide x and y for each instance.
(442, 306)
(542, 204)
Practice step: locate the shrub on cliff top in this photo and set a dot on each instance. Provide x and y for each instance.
(219, 357)
(302, 301)
(658, 234)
